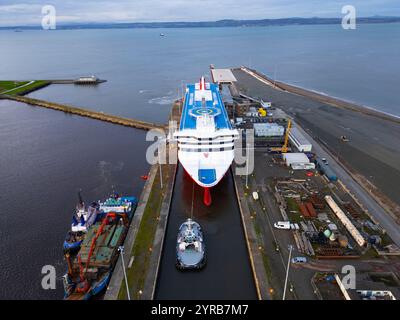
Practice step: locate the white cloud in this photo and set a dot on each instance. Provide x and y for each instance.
(23, 12)
(20, 8)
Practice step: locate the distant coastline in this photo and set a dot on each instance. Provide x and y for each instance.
(210, 24)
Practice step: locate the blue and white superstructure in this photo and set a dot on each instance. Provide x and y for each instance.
(205, 137)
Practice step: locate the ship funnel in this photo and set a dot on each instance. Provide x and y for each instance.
(202, 84)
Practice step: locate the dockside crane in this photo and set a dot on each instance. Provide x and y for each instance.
(285, 147)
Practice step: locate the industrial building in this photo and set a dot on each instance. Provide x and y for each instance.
(298, 161)
(222, 76)
(88, 80)
(268, 130)
(299, 140)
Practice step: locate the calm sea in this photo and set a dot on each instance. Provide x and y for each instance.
(145, 71)
(46, 156)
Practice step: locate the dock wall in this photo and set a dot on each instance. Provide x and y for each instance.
(256, 260)
(161, 214)
(158, 244)
(118, 276)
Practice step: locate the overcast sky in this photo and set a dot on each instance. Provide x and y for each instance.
(28, 12)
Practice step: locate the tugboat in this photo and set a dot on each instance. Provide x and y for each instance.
(90, 270)
(190, 248)
(119, 204)
(81, 221)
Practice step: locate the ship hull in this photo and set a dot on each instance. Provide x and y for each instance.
(205, 137)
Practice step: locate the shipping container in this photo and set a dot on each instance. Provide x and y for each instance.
(317, 202)
(304, 211)
(311, 210)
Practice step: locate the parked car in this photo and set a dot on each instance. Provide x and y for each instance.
(255, 195)
(285, 225)
(299, 260)
(294, 226)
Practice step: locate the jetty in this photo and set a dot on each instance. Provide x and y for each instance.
(127, 122)
(144, 242)
(23, 87)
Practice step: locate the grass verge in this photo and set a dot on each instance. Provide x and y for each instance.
(20, 87)
(142, 248)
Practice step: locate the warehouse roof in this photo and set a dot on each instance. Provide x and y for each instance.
(297, 135)
(295, 158)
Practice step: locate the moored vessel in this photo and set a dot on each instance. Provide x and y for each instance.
(82, 219)
(205, 136)
(190, 247)
(90, 270)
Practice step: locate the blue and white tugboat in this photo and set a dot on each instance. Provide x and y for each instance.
(190, 248)
(82, 219)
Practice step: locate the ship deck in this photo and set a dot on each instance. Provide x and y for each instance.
(214, 107)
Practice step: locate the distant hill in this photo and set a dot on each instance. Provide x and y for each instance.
(219, 23)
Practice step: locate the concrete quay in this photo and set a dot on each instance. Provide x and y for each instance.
(323, 124)
(253, 246)
(145, 239)
(373, 152)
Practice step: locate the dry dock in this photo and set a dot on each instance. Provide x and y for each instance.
(228, 273)
(150, 245)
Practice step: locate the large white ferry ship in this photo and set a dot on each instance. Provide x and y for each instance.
(205, 136)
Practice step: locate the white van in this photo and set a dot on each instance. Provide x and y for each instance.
(285, 225)
(299, 260)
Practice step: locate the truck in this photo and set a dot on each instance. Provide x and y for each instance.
(323, 166)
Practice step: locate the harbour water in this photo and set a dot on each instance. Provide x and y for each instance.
(46, 156)
(145, 71)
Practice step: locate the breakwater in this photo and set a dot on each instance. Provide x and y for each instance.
(127, 122)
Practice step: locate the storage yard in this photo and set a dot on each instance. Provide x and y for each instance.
(326, 120)
(331, 223)
(296, 199)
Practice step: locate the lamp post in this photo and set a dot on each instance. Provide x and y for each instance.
(121, 252)
(287, 272)
(159, 163)
(247, 165)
